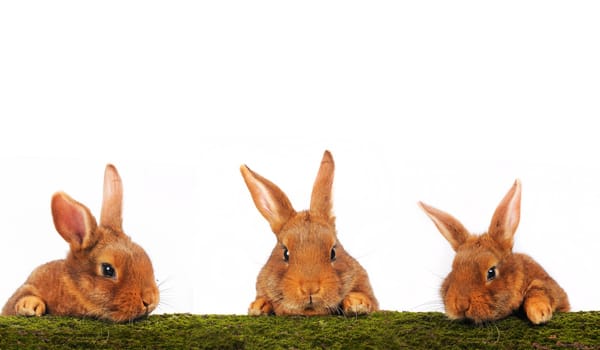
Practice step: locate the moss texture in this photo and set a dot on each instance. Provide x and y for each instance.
(382, 330)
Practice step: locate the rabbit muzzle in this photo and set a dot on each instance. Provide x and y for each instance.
(150, 299)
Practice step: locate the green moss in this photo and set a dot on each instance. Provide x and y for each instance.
(382, 330)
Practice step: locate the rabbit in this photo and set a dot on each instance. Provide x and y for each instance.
(308, 272)
(105, 275)
(488, 281)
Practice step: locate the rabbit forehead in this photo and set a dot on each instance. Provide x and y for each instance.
(121, 252)
(305, 230)
(478, 252)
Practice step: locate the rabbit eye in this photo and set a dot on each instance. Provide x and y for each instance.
(108, 270)
(491, 274)
(332, 256)
(286, 254)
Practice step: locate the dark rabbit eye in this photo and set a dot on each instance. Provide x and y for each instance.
(491, 274)
(108, 270)
(332, 257)
(286, 254)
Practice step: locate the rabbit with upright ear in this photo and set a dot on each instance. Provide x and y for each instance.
(488, 281)
(105, 275)
(308, 272)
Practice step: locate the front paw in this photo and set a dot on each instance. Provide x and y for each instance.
(260, 306)
(357, 303)
(538, 310)
(30, 306)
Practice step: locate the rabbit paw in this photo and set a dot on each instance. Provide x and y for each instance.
(357, 303)
(260, 306)
(30, 306)
(538, 310)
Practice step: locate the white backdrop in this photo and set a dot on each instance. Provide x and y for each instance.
(442, 102)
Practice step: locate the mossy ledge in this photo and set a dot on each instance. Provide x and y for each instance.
(381, 330)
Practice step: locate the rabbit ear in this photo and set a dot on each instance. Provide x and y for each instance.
(454, 232)
(506, 217)
(112, 199)
(73, 221)
(270, 201)
(321, 201)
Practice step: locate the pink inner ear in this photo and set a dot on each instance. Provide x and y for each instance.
(513, 217)
(69, 220)
(76, 223)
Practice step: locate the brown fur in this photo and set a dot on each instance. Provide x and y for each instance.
(520, 282)
(76, 286)
(309, 283)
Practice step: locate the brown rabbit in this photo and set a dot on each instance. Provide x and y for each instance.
(488, 281)
(309, 272)
(105, 274)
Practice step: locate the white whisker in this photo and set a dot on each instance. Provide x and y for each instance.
(436, 305)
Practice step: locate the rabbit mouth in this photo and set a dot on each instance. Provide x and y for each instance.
(314, 303)
(477, 313)
(308, 308)
(311, 310)
(120, 315)
(303, 309)
(319, 307)
(311, 305)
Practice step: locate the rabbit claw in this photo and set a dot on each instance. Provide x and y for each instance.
(30, 306)
(260, 306)
(538, 310)
(357, 303)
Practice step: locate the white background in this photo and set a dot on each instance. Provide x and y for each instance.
(445, 102)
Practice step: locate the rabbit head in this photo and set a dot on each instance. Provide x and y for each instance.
(308, 272)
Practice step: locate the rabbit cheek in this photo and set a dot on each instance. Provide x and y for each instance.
(143, 289)
(133, 300)
(106, 291)
(125, 309)
(463, 300)
(489, 302)
(126, 304)
(455, 304)
(474, 306)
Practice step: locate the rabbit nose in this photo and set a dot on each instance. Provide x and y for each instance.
(463, 304)
(310, 289)
(150, 300)
(149, 305)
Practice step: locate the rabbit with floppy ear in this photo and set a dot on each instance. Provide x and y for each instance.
(308, 272)
(488, 281)
(105, 275)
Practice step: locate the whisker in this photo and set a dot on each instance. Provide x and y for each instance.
(491, 326)
(165, 289)
(436, 305)
(339, 310)
(160, 283)
(163, 305)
